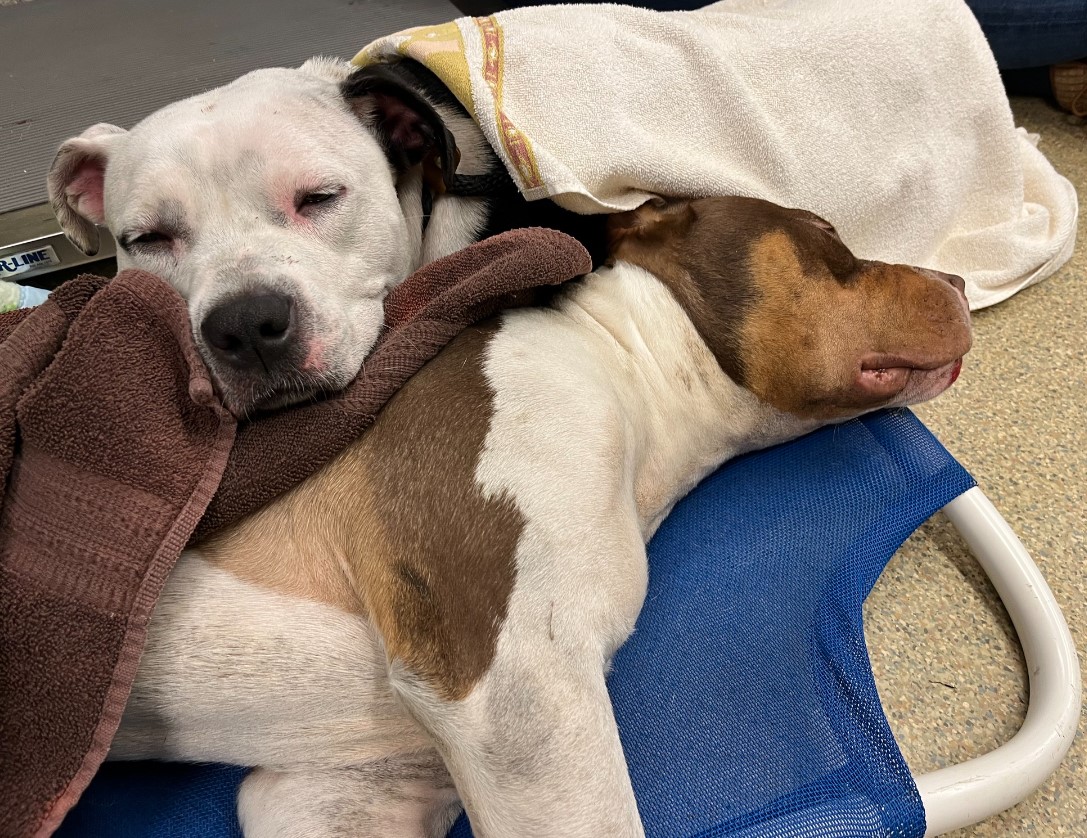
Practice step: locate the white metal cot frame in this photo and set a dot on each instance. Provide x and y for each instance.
(963, 794)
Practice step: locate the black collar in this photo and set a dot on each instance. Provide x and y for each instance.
(493, 183)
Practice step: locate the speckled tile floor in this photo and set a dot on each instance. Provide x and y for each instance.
(946, 658)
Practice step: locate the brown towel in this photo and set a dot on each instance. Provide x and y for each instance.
(121, 444)
(112, 445)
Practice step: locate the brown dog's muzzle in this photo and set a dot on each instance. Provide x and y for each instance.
(791, 314)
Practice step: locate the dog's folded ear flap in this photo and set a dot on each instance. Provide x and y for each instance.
(656, 219)
(818, 221)
(410, 127)
(76, 184)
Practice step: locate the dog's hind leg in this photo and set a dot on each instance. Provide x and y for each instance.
(401, 797)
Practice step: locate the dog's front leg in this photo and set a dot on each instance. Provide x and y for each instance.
(533, 748)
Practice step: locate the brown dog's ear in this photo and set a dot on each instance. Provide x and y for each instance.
(409, 126)
(818, 221)
(76, 184)
(656, 219)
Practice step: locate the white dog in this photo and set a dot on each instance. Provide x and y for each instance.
(284, 206)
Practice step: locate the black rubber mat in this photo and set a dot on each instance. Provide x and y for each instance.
(67, 64)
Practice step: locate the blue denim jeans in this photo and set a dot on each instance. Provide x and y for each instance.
(1033, 33)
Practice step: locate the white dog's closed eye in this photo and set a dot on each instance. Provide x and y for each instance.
(309, 200)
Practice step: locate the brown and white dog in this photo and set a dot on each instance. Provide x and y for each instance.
(429, 619)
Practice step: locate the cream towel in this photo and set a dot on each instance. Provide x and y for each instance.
(887, 118)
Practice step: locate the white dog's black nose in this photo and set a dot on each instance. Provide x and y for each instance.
(251, 331)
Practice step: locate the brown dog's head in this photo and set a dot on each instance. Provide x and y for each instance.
(791, 314)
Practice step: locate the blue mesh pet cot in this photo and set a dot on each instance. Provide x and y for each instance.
(745, 699)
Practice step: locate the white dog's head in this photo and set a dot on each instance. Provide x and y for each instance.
(271, 205)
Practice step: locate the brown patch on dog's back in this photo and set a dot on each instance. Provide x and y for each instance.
(440, 579)
(399, 529)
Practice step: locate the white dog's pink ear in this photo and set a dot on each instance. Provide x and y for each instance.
(76, 184)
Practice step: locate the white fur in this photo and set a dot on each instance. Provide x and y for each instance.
(233, 672)
(406, 796)
(228, 160)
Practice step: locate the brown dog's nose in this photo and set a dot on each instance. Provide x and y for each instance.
(955, 281)
(251, 331)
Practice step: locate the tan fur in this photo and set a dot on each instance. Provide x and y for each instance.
(805, 328)
(295, 545)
